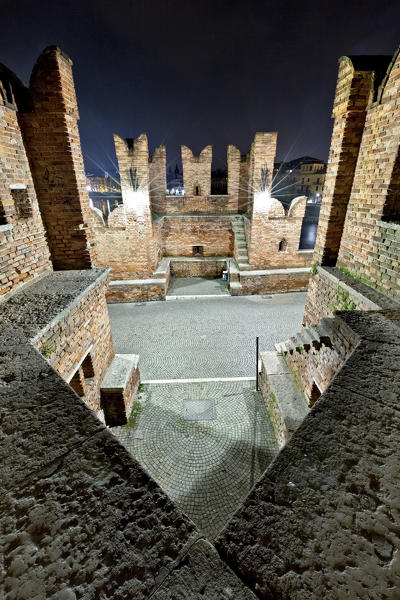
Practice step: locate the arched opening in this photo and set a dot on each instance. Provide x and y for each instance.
(391, 208)
(282, 245)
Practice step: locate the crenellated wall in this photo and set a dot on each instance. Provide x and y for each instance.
(197, 171)
(359, 226)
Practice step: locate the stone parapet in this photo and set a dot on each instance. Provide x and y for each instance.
(320, 521)
(330, 289)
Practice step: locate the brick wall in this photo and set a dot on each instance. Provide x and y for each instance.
(169, 205)
(318, 366)
(157, 177)
(129, 244)
(367, 245)
(83, 326)
(325, 295)
(353, 92)
(284, 280)
(51, 137)
(233, 162)
(24, 252)
(197, 268)
(180, 234)
(197, 171)
(275, 237)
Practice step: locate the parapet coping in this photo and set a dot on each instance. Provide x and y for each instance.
(349, 288)
(388, 225)
(119, 371)
(162, 267)
(261, 272)
(67, 309)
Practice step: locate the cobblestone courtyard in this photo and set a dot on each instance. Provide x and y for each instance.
(208, 466)
(208, 463)
(207, 337)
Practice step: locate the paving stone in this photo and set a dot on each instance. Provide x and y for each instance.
(208, 337)
(207, 467)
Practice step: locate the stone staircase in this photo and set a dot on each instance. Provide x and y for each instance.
(241, 244)
(314, 336)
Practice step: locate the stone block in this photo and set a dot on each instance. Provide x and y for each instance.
(118, 387)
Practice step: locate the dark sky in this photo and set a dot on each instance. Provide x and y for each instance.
(200, 72)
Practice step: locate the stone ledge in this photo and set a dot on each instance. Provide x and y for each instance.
(262, 272)
(6, 227)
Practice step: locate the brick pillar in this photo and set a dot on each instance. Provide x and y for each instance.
(158, 177)
(196, 171)
(51, 137)
(233, 162)
(353, 94)
(133, 164)
(261, 168)
(245, 194)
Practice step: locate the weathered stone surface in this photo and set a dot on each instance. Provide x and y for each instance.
(91, 522)
(202, 574)
(323, 521)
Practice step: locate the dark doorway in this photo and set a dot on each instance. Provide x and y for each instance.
(315, 394)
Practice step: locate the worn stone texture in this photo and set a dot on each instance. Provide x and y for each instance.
(93, 506)
(323, 520)
(201, 574)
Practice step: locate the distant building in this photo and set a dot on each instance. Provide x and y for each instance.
(107, 183)
(304, 176)
(175, 182)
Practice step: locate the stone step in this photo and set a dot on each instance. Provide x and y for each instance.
(244, 266)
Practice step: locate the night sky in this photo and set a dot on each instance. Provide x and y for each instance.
(200, 72)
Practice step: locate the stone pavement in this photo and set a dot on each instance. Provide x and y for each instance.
(197, 286)
(206, 466)
(207, 337)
